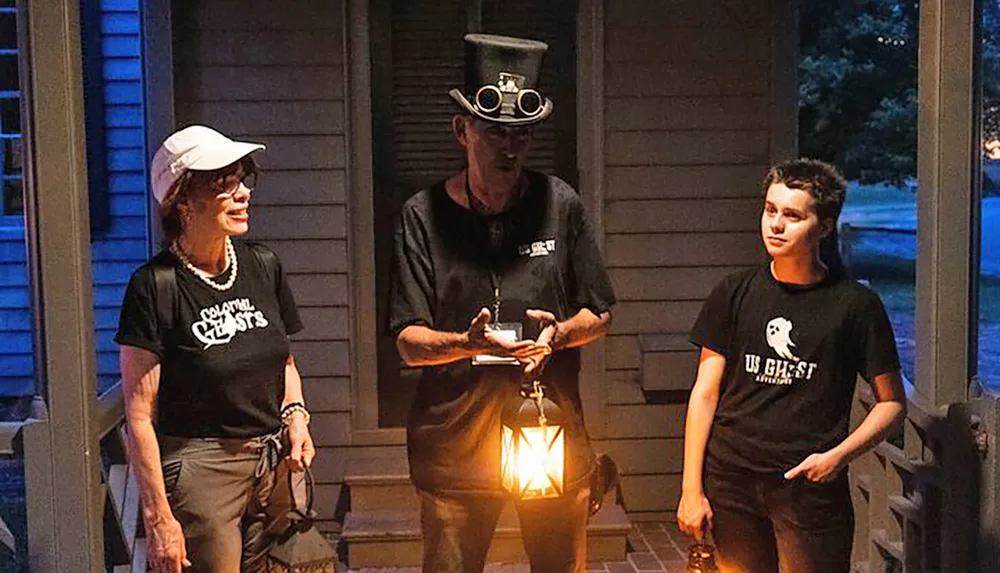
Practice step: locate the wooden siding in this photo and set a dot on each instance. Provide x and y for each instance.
(688, 136)
(118, 247)
(688, 131)
(16, 367)
(267, 72)
(117, 250)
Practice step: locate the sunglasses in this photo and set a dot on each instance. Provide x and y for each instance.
(229, 184)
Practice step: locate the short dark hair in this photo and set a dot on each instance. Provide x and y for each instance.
(822, 180)
(170, 216)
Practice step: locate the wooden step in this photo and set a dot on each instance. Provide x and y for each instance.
(668, 362)
(130, 511)
(116, 487)
(392, 538)
(379, 478)
(382, 528)
(123, 490)
(139, 556)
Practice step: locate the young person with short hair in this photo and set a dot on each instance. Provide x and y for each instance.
(766, 443)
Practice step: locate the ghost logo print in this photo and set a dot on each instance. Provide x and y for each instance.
(779, 337)
(787, 368)
(221, 322)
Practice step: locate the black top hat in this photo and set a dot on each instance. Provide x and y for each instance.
(500, 78)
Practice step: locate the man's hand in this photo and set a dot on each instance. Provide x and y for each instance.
(546, 336)
(165, 549)
(819, 468)
(484, 340)
(694, 515)
(302, 449)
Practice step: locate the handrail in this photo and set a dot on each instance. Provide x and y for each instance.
(110, 409)
(110, 413)
(8, 433)
(7, 538)
(916, 411)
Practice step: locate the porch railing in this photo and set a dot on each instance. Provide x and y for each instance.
(917, 497)
(124, 542)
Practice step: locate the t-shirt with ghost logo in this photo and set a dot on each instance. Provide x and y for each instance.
(222, 360)
(449, 262)
(793, 354)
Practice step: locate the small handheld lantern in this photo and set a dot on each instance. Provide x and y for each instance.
(533, 449)
(701, 559)
(301, 548)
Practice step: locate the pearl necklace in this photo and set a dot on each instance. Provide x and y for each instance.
(175, 248)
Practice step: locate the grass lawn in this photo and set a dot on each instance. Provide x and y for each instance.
(877, 195)
(899, 297)
(886, 261)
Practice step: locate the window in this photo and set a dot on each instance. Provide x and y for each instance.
(989, 247)
(11, 202)
(115, 137)
(17, 368)
(858, 110)
(111, 39)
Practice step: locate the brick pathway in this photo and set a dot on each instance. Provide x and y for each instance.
(652, 547)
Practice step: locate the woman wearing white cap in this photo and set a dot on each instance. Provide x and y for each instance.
(204, 343)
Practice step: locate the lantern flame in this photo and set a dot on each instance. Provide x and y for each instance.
(533, 464)
(532, 457)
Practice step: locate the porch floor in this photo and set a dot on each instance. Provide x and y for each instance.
(653, 546)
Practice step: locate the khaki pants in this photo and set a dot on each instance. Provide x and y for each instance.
(227, 512)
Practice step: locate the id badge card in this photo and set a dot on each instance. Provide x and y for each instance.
(507, 331)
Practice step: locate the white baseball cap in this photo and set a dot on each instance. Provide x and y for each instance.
(196, 148)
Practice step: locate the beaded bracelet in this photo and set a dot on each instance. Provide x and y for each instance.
(290, 405)
(288, 411)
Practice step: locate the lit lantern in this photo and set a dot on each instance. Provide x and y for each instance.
(701, 559)
(533, 448)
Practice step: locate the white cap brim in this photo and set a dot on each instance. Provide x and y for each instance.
(221, 156)
(194, 148)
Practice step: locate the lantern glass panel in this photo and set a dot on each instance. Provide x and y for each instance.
(508, 454)
(539, 462)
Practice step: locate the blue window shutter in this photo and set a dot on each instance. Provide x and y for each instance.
(93, 105)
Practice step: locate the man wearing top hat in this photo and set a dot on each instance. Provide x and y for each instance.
(497, 281)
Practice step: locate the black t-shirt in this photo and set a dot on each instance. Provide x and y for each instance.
(793, 354)
(546, 257)
(222, 360)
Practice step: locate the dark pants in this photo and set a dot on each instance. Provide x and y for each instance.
(226, 510)
(458, 530)
(765, 524)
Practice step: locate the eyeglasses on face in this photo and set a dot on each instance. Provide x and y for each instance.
(230, 184)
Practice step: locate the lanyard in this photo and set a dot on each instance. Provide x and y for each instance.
(477, 207)
(495, 283)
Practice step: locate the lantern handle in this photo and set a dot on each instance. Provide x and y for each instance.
(301, 510)
(538, 395)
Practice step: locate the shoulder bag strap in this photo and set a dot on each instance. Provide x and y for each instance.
(165, 280)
